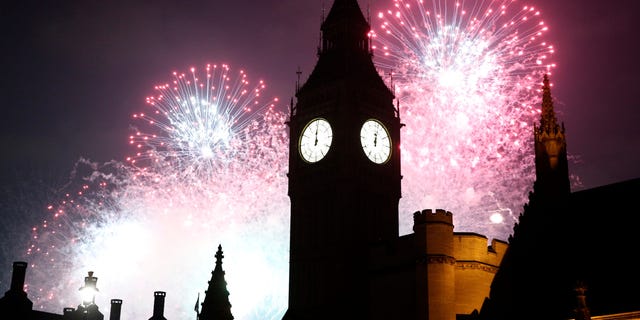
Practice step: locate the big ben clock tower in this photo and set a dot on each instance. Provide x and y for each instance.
(344, 172)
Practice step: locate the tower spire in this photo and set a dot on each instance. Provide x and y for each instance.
(216, 300)
(552, 169)
(548, 120)
(345, 28)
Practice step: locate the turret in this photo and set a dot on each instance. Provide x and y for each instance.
(434, 246)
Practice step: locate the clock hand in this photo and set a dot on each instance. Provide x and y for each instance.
(375, 139)
(316, 142)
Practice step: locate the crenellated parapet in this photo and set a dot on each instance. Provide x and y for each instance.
(471, 251)
(430, 216)
(458, 267)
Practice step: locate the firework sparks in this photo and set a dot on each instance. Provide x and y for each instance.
(467, 78)
(210, 161)
(209, 168)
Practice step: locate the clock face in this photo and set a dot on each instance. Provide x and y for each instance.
(375, 141)
(315, 140)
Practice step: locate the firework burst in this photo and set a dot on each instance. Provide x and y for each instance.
(209, 168)
(198, 121)
(467, 76)
(210, 160)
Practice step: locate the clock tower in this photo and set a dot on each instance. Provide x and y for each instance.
(344, 172)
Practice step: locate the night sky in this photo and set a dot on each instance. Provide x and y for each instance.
(73, 73)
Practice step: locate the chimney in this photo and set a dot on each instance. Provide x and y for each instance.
(68, 313)
(158, 305)
(116, 307)
(17, 278)
(15, 301)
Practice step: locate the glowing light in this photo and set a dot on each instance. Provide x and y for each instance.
(466, 75)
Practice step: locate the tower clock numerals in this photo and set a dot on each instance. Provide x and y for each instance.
(375, 141)
(315, 140)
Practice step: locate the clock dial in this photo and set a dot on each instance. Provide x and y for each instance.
(375, 141)
(315, 140)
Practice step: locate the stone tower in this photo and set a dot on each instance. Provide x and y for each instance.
(344, 172)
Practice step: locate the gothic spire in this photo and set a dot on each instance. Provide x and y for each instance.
(552, 172)
(216, 304)
(548, 120)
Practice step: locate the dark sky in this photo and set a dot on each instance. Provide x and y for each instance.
(73, 72)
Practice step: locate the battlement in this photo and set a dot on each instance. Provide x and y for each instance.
(469, 246)
(429, 216)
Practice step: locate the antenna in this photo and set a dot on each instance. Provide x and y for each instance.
(320, 34)
(298, 73)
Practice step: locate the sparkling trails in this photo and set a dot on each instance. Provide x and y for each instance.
(467, 76)
(210, 155)
(208, 169)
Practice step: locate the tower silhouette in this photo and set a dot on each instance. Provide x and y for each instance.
(552, 166)
(216, 305)
(566, 231)
(344, 172)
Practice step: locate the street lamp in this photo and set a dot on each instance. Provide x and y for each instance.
(89, 290)
(88, 310)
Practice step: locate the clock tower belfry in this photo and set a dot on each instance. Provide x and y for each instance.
(344, 172)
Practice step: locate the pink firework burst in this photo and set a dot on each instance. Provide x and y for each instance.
(209, 168)
(467, 76)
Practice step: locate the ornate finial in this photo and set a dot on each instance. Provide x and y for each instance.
(219, 255)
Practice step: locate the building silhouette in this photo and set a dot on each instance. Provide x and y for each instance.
(566, 258)
(571, 254)
(15, 304)
(216, 305)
